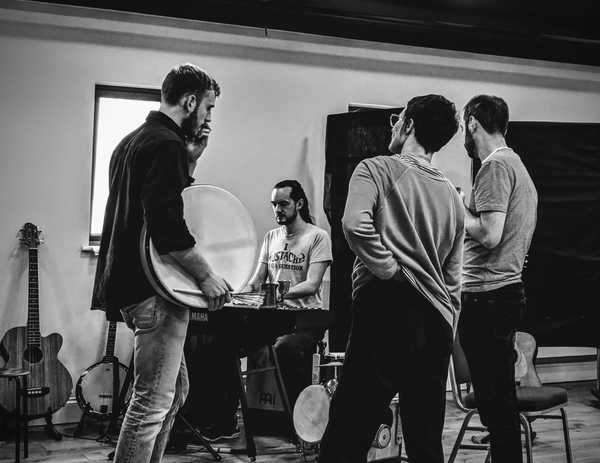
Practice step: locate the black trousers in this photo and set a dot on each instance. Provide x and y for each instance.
(487, 327)
(399, 343)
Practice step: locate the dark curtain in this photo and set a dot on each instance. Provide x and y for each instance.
(562, 275)
(351, 137)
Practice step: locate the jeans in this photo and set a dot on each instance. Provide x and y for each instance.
(160, 379)
(487, 327)
(399, 343)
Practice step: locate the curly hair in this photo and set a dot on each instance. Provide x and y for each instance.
(434, 118)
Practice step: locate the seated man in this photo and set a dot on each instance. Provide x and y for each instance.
(299, 252)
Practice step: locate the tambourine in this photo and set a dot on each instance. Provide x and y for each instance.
(225, 236)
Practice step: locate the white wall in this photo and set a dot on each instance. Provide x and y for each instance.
(269, 124)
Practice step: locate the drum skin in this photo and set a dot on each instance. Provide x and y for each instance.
(311, 413)
(225, 236)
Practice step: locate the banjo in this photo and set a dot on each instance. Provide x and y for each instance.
(101, 382)
(225, 236)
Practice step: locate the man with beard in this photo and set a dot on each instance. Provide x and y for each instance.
(297, 252)
(405, 222)
(149, 169)
(500, 221)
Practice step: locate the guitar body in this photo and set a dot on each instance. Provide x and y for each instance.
(96, 388)
(525, 346)
(47, 372)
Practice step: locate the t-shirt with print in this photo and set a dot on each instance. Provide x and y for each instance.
(289, 257)
(501, 185)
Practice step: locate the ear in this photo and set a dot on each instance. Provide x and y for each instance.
(409, 125)
(189, 102)
(300, 203)
(472, 123)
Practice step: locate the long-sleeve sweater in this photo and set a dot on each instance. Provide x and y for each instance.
(404, 219)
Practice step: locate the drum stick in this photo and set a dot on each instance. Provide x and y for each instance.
(197, 292)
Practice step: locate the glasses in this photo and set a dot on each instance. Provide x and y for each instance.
(394, 118)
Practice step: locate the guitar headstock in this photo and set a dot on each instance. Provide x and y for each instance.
(29, 236)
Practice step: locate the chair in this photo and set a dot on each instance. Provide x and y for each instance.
(533, 402)
(19, 375)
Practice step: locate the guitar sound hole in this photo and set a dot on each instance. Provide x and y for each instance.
(33, 354)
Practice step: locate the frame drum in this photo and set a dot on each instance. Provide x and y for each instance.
(311, 413)
(225, 236)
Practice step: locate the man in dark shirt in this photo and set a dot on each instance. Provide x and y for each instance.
(148, 171)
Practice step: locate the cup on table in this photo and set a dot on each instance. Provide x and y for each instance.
(283, 286)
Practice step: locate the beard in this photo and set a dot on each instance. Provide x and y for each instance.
(283, 219)
(397, 142)
(470, 145)
(189, 125)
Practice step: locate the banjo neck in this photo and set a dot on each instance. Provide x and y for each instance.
(111, 338)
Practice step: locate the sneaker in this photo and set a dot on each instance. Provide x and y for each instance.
(215, 433)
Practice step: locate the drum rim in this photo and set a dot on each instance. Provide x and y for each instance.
(148, 265)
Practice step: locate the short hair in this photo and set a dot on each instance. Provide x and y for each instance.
(296, 194)
(490, 111)
(434, 118)
(187, 78)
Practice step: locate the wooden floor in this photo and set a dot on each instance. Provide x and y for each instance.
(583, 414)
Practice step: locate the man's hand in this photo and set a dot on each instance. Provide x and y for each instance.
(197, 144)
(217, 291)
(463, 198)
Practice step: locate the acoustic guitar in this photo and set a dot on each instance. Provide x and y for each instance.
(49, 383)
(525, 373)
(100, 383)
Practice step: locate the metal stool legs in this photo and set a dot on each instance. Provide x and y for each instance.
(21, 417)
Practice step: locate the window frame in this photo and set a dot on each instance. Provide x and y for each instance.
(120, 92)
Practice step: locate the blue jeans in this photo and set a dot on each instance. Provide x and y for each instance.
(160, 379)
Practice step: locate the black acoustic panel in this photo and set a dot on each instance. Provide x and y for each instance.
(562, 276)
(351, 137)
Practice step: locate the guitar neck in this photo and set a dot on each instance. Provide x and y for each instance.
(33, 303)
(110, 340)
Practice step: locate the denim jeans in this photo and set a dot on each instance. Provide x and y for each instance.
(487, 327)
(160, 379)
(399, 343)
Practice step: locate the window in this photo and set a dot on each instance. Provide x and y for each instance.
(118, 111)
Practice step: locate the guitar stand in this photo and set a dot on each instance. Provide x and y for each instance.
(117, 405)
(79, 428)
(50, 429)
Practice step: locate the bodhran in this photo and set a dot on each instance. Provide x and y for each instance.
(311, 415)
(225, 236)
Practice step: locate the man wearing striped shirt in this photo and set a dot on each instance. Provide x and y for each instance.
(405, 223)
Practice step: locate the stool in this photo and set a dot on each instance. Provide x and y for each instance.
(19, 375)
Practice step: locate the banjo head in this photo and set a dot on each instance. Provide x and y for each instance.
(224, 234)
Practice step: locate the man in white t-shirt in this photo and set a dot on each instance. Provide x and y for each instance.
(299, 252)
